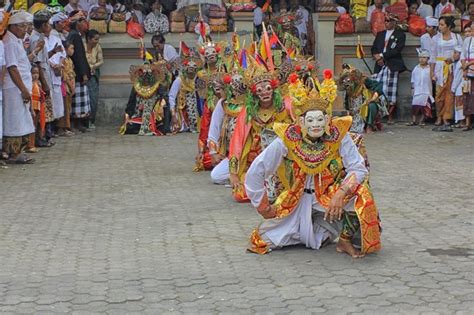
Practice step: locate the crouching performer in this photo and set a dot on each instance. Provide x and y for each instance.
(326, 194)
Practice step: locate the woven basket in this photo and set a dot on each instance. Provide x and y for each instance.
(214, 21)
(177, 27)
(177, 16)
(219, 28)
(117, 27)
(99, 26)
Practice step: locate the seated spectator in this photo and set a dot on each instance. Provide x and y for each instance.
(168, 6)
(378, 5)
(469, 14)
(163, 50)
(413, 9)
(74, 5)
(444, 7)
(136, 12)
(155, 21)
(100, 11)
(341, 6)
(460, 7)
(425, 9)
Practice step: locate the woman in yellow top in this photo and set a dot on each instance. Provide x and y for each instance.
(95, 60)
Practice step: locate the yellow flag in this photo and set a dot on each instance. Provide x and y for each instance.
(148, 56)
(263, 50)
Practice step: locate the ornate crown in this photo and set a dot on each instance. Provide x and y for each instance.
(257, 73)
(305, 98)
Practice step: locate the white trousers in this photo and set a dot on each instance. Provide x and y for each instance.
(220, 173)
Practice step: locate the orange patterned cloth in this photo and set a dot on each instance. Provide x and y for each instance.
(38, 98)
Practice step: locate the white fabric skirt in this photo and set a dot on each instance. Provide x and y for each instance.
(17, 120)
(58, 102)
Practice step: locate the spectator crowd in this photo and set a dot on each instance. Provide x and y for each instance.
(50, 79)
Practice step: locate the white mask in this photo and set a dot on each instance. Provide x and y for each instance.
(314, 122)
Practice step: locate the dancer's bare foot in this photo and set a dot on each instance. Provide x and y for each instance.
(346, 247)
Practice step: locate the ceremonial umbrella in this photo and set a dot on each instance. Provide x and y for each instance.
(185, 3)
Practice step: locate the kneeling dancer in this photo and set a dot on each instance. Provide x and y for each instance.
(326, 194)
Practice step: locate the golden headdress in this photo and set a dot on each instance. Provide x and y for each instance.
(257, 72)
(306, 98)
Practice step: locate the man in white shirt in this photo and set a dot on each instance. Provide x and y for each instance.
(444, 7)
(378, 4)
(426, 40)
(18, 123)
(425, 9)
(163, 50)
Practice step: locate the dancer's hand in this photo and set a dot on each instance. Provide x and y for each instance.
(216, 158)
(268, 213)
(235, 181)
(335, 210)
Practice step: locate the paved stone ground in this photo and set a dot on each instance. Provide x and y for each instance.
(121, 224)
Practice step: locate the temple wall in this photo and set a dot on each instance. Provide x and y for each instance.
(332, 50)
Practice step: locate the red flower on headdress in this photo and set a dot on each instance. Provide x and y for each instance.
(185, 62)
(254, 88)
(274, 83)
(202, 51)
(310, 67)
(218, 49)
(292, 78)
(327, 74)
(298, 68)
(227, 79)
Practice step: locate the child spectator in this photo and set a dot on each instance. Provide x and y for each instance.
(456, 87)
(421, 86)
(426, 40)
(38, 99)
(68, 78)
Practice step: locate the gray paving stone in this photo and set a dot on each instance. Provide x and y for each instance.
(113, 224)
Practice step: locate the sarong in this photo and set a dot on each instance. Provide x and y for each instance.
(389, 80)
(81, 106)
(469, 100)
(444, 100)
